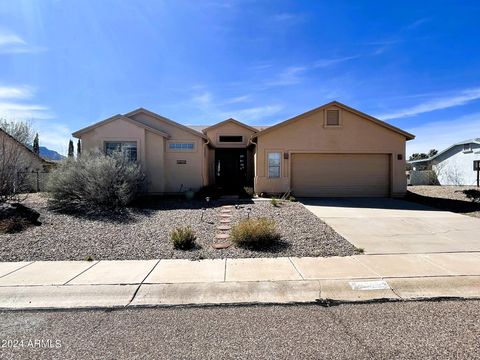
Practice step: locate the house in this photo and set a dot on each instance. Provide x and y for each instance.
(333, 150)
(28, 165)
(452, 166)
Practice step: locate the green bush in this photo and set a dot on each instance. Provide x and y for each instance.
(95, 180)
(292, 198)
(183, 238)
(255, 233)
(275, 202)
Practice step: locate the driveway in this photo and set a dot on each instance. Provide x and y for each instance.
(388, 226)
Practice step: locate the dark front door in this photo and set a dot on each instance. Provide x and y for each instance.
(230, 169)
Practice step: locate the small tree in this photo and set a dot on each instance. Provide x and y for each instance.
(36, 145)
(79, 148)
(20, 130)
(432, 152)
(70, 149)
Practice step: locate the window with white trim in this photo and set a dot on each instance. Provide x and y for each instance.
(332, 117)
(467, 147)
(181, 146)
(274, 164)
(127, 148)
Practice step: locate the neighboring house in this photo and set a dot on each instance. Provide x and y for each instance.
(32, 166)
(332, 150)
(452, 166)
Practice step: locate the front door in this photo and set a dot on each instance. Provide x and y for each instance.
(230, 169)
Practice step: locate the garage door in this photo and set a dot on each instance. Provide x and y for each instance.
(340, 175)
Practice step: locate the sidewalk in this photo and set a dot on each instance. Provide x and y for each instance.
(78, 284)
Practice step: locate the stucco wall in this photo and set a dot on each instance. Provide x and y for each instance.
(309, 135)
(117, 130)
(455, 167)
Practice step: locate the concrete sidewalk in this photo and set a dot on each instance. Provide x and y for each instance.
(76, 284)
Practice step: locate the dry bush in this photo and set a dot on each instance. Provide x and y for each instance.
(95, 181)
(255, 233)
(183, 238)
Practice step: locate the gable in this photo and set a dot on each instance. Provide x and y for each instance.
(220, 134)
(174, 129)
(354, 134)
(320, 114)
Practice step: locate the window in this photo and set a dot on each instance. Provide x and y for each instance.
(274, 163)
(230, 138)
(467, 148)
(181, 146)
(127, 148)
(333, 118)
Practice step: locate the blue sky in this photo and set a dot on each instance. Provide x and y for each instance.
(67, 64)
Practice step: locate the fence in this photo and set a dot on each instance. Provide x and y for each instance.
(423, 177)
(36, 180)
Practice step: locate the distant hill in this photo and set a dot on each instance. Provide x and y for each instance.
(50, 154)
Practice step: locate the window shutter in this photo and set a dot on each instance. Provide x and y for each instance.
(333, 117)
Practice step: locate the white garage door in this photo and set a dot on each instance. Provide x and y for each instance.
(340, 175)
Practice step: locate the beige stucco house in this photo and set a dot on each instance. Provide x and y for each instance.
(333, 150)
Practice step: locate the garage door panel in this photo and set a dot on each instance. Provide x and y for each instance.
(319, 175)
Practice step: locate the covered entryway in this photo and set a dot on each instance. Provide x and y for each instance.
(233, 169)
(340, 175)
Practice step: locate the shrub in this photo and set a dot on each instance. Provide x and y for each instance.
(275, 202)
(13, 225)
(94, 181)
(249, 192)
(472, 194)
(292, 198)
(255, 233)
(183, 238)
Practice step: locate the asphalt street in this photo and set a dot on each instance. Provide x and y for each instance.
(400, 330)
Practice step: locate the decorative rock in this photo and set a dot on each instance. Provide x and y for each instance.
(226, 215)
(225, 211)
(221, 245)
(18, 210)
(222, 236)
(225, 221)
(224, 227)
(227, 207)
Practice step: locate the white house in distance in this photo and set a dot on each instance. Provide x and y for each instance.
(452, 166)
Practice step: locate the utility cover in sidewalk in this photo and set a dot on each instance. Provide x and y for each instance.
(369, 285)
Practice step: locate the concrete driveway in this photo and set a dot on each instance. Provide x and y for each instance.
(388, 226)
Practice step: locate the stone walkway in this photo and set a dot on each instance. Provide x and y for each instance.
(104, 284)
(222, 236)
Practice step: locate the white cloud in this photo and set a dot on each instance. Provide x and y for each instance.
(15, 92)
(7, 38)
(290, 76)
(323, 63)
(442, 134)
(253, 113)
(11, 43)
(461, 98)
(21, 111)
(238, 99)
(203, 99)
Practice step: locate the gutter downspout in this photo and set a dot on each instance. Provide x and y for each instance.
(250, 141)
(203, 162)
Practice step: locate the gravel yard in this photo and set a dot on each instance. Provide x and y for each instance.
(450, 198)
(144, 233)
